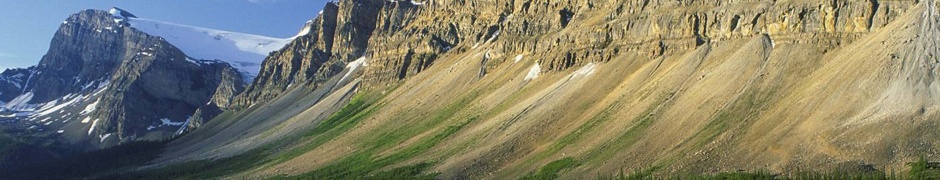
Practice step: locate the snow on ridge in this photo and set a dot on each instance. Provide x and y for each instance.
(243, 51)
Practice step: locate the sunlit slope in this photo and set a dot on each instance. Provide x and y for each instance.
(750, 104)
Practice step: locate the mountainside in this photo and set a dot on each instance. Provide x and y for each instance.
(104, 83)
(487, 89)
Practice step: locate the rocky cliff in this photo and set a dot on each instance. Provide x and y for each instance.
(103, 83)
(408, 36)
(573, 33)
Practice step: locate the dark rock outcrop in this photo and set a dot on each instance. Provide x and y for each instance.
(128, 85)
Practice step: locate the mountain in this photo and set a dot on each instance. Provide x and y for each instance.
(104, 82)
(575, 90)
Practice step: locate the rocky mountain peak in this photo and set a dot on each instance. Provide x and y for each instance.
(104, 82)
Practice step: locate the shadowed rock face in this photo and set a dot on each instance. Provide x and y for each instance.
(110, 83)
(12, 82)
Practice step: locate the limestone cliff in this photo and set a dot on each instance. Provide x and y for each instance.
(408, 36)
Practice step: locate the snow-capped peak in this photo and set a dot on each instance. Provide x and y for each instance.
(243, 51)
(115, 12)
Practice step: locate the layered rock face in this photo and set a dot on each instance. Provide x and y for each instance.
(573, 33)
(406, 37)
(103, 83)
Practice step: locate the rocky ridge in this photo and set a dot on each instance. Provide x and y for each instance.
(104, 83)
(406, 37)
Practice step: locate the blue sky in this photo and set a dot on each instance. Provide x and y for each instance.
(27, 26)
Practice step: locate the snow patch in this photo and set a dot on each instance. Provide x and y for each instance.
(90, 107)
(184, 126)
(92, 128)
(46, 110)
(168, 122)
(115, 12)
(518, 58)
(352, 66)
(17, 114)
(20, 103)
(60, 131)
(533, 72)
(88, 85)
(103, 137)
(102, 86)
(86, 120)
